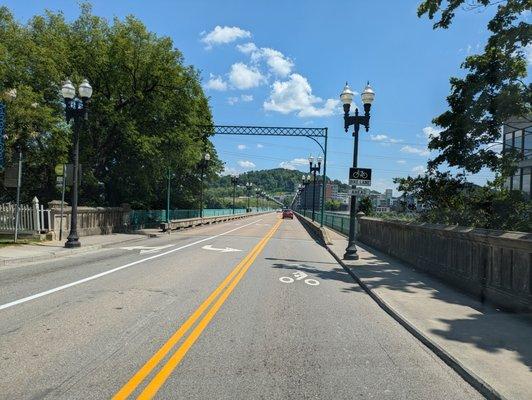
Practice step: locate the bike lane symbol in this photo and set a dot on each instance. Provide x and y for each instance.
(297, 277)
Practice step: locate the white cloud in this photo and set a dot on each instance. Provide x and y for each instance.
(246, 98)
(229, 171)
(242, 147)
(243, 76)
(232, 100)
(415, 150)
(246, 164)
(431, 132)
(277, 62)
(247, 48)
(401, 162)
(216, 83)
(419, 169)
(295, 95)
(383, 138)
(293, 164)
(224, 35)
(528, 53)
(259, 146)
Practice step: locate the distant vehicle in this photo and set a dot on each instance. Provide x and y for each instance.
(279, 210)
(288, 214)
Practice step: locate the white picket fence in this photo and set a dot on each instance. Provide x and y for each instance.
(32, 218)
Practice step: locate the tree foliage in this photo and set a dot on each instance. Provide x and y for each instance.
(365, 205)
(492, 91)
(143, 115)
(454, 201)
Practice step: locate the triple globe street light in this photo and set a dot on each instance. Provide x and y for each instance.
(76, 108)
(347, 95)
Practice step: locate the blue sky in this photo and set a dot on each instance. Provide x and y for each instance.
(284, 63)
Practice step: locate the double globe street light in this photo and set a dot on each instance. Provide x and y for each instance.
(78, 110)
(234, 182)
(347, 95)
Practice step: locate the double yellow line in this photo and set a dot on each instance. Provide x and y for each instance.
(220, 294)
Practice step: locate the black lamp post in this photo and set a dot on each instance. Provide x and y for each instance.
(249, 186)
(77, 109)
(314, 168)
(306, 182)
(368, 95)
(257, 195)
(203, 165)
(234, 181)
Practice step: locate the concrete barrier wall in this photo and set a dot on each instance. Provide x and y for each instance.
(494, 265)
(91, 220)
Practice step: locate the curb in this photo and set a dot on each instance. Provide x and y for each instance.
(470, 377)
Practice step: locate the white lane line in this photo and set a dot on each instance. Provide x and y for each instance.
(90, 278)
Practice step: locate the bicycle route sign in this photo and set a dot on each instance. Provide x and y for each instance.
(360, 176)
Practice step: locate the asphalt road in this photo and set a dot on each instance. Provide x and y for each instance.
(278, 319)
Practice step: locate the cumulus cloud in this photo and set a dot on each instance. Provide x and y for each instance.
(401, 162)
(431, 132)
(247, 48)
(232, 100)
(243, 76)
(277, 62)
(293, 164)
(419, 169)
(229, 171)
(216, 83)
(295, 95)
(242, 147)
(415, 150)
(246, 98)
(384, 139)
(224, 35)
(259, 146)
(246, 164)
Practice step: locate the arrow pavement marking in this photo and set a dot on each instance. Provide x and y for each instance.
(226, 250)
(147, 249)
(110, 271)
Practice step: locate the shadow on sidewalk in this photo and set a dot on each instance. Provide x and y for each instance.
(481, 325)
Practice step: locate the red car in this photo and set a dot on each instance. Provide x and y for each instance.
(288, 214)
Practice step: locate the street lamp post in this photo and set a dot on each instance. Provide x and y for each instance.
(204, 162)
(234, 181)
(78, 110)
(306, 182)
(368, 95)
(314, 168)
(257, 195)
(249, 186)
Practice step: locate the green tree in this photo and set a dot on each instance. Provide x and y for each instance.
(492, 90)
(144, 114)
(366, 206)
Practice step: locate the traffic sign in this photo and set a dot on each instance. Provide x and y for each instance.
(356, 191)
(59, 169)
(11, 176)
(360, 176)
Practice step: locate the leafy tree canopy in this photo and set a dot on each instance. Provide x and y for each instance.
(143, 116)
(492, 91)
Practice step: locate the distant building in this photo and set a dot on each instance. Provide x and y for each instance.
(517, 134)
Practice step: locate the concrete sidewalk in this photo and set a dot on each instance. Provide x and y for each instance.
(40, 251)
(490, 348)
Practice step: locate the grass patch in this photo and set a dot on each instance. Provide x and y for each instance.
(9, 242)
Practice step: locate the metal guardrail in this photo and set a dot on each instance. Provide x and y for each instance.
(336, 221)
(140, 219)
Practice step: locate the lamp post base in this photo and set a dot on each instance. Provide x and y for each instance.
(351, 252)
(72, 243)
